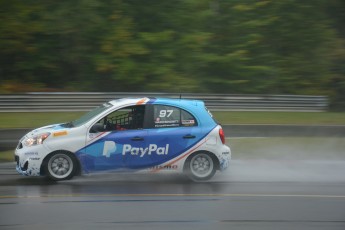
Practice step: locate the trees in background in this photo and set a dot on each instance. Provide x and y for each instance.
(222, 46)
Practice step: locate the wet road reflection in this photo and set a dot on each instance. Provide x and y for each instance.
(251, 195)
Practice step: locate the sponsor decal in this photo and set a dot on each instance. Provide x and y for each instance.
(188, 122)
(166, 122)
(142, 101)
(58, 134)
(152, 149)
(166, 119)
(108, 148)
(31, 154)
(166, 125)
(161, 124)
(34, 158)
(92, 135)
(164, 167)
(225, 153)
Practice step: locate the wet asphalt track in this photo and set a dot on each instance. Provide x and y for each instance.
(252, 194)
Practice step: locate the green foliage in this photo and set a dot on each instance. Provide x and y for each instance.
(223, 46)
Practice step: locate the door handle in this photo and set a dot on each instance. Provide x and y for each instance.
(137, 139)
(188, 136)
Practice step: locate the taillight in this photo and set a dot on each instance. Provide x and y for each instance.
(221, 135)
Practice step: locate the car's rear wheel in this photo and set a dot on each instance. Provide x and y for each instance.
(200, 166)
(60, 166)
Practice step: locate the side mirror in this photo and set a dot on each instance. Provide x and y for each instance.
(96, 128)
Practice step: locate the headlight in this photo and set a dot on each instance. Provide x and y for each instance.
(36, 140)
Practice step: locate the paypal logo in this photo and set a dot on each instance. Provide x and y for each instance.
(153, 148)
(109, 148)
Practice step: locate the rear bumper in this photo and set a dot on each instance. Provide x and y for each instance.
(224, 158)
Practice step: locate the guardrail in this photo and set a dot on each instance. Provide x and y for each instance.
(66, 101)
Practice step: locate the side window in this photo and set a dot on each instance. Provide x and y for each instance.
(169, 116)
(166, 116)
(126, 118)
(131, 117)
(187, 119)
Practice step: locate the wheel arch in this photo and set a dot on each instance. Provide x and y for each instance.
(214, 157)
(46, 158)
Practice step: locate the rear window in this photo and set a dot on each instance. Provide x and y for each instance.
(209, 112)
(168, 116)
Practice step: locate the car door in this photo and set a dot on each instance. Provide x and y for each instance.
(173, 132)
(115, 141)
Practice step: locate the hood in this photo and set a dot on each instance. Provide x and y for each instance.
(48, 128)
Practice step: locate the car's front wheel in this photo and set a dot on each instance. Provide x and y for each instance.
(60, 166)
(200, 166)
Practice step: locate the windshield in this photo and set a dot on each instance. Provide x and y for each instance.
(88, 116)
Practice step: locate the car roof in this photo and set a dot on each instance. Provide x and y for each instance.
(186, 103)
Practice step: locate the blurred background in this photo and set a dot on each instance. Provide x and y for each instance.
(271, 71)
(196, 46)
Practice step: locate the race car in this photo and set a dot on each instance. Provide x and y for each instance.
(151, 135)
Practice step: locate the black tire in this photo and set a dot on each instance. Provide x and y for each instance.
(60, 166)
(200, 166)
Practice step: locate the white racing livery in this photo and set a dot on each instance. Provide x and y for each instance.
(131, 134)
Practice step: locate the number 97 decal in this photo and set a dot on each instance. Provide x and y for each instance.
(165, 113)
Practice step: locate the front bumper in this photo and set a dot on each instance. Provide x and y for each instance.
(21, 171)
(28, 167)
(29, 159)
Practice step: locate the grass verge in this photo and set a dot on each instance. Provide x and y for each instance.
(7, 156)
(33, 120)
(301, 118)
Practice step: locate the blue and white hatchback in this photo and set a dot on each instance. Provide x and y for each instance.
(132, 134)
